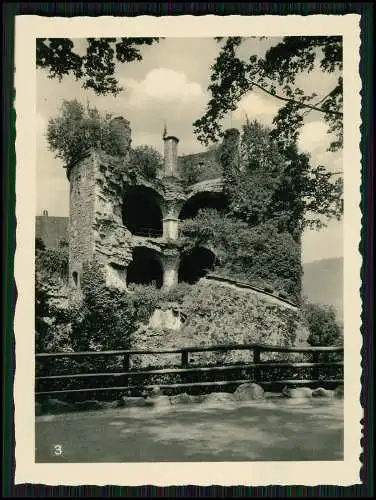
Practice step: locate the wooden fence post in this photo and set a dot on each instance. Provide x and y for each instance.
(126, 368)
(316, 369)
(256, 360)
(184, 359)
(256, 355)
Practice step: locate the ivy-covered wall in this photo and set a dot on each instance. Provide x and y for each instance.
(200, 166)
(215, 314)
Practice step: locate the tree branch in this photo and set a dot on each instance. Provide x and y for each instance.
(302, 104)
(318, 102)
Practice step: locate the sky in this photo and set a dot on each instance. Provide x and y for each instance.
(170, 85)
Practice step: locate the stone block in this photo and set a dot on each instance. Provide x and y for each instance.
(107, 405)
(297, 393)
(320, 392)
(182, 398)
(249, 392)
(155, 392)
(219, 397)
(159, 402)
(134, 402)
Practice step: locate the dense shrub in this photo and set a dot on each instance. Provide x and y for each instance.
(175, 294)
(105, 316)
(52, 262)
(322, 324)
(51, 314)
(259, 255)
(228, 313)
(145, 161)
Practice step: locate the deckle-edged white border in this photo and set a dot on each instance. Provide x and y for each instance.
(345, 472)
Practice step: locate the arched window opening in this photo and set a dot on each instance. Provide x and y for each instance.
(196, 264)
(145, 268)
(216, 201)
(75, 278)
(142, 214)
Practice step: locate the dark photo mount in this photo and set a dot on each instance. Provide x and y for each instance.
(9, 225)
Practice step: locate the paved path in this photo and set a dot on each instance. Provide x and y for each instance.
(254, 431)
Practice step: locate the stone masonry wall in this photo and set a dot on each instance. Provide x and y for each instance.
(112, 241)
(51, 230)
(96, 228)
(81, 217)
(205, 165)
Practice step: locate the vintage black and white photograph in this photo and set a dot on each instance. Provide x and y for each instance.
(188, 238)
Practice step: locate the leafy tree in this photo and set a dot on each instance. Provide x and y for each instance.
(232, 77)
(77, 129)
(322, 324)
(96, 68)
(146, 161)
(265, 183)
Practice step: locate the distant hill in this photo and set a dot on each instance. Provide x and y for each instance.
(323, 283)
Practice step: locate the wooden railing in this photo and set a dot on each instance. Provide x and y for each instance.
(321, 366)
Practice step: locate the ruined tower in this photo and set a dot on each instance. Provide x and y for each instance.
(81, 176)
(95, 201)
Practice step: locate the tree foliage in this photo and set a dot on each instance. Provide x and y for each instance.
(53, 262)
(276, 75)
(322, 324)
(265, 183)
(106, 317)
(96, 68)
(145, 160)
(76, 129)
(51, 319)
(260, 255)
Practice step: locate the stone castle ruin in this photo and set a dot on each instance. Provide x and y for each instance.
(133, 228)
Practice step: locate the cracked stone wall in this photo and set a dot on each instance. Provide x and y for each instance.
(81, 216)
(112, 241)
(96, 197)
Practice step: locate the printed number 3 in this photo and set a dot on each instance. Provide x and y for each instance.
(58, 449)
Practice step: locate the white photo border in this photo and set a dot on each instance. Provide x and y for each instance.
(341, 473)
